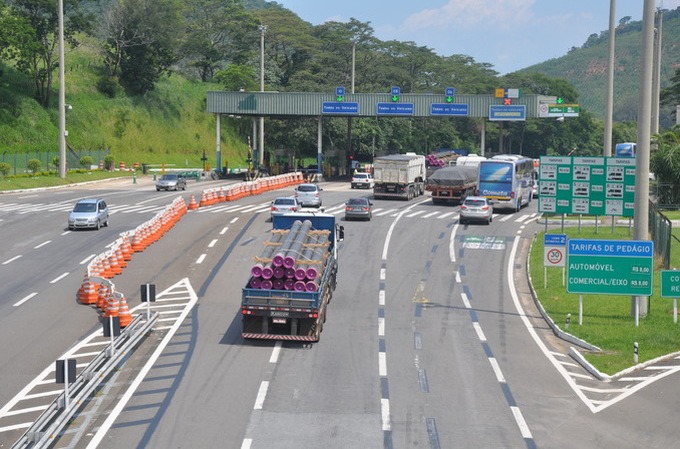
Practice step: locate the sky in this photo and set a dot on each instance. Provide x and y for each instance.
(508, 34)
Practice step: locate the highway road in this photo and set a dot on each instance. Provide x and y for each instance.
(432, 338)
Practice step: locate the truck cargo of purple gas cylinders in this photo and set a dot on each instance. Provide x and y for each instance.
(292, 279)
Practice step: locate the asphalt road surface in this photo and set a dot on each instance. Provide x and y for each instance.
(432, 338)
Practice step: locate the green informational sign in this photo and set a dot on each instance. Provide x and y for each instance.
(587, 185)
(610, 267)
(670, 283)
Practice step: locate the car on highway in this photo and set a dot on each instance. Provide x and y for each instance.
(362, 181)
(284, 204)
(171, 181)
(92, 213)
(308, 194)
(475, 208)
(534, 190)
(359, 208)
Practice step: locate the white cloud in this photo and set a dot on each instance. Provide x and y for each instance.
(472, 13)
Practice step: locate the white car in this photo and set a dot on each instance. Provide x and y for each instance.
(362, 180)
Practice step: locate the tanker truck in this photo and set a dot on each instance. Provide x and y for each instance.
(292, 279)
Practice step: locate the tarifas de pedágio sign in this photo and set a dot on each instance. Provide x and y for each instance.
(610, 267)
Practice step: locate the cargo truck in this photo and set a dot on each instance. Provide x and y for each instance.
(452, 184)
(292, 279)
(399, 176)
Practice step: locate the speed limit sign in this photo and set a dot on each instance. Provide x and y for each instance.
(554, 250)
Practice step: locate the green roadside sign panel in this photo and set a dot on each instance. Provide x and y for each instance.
(670, 283)
(587, 185)
(610, 267)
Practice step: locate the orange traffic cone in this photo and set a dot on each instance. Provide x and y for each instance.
(88, 294)
(112, 306)
(124, 314)
(192, 203)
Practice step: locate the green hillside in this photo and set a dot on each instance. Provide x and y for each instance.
(586, 68)
(167, 125)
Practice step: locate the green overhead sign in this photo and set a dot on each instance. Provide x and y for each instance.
(563, 110)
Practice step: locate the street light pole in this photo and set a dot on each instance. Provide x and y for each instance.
(656, 83)
(260, 156)
(641, 204)
(609, 109)
(62, 94)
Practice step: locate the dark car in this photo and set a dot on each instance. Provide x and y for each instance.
(360, 208)
(89, 213)
(171, 181)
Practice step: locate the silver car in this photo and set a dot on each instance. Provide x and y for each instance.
(89, 213)
(284, 204)
(171, 181)
(308, 194)
(476, 208)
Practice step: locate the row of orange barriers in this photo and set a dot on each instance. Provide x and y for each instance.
(246, 188)
(96, 289)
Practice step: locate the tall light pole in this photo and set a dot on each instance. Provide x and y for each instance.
(260, 155)
(656, 83)
(62, 93)
(641, 204)
(609, 108)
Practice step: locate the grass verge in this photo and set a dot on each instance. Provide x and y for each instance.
(52, 180)
(607, 320)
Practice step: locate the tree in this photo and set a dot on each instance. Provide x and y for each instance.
(218, 33)
(142, 42)
(670, 96)
(37, 51)
(237, 77)
(5, 168)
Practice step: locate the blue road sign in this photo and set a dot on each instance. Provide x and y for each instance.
(339, 107)
(394, 108)
(450, 91)
(460, 109)
(396, 90)
(339, 91)
(555, 239)
(500, 112)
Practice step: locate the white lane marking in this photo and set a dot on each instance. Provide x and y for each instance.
(382, 364)
(452, 241)
(385, 412)
(201, 258)
(224, 230)
(275, 352)
(261, 395)
(11, 260)
(520, 312)
(87, 259)
(57, 279)
(445, 215)
(381, 327)
(480, 332)
(212, 243)
(526, 433)
(104, 428)
(497, 370)
(458, 278)
(466, 302)
(233, 220)
(247, 442)
(415, 213)
(430, 214)
(381, 297)
(42, 244)
(24, 299)
(382, 274)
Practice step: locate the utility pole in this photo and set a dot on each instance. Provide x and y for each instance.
(260, 156)
(641, 215)
(611, 57)
(62, 94)
(656, 83)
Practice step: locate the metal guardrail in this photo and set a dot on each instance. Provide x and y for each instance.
(42, 432)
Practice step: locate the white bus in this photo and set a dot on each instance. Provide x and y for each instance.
(507, 180)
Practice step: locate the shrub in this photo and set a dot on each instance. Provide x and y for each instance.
(86, 162)
(108, 162)
(34, 165)
(5, 168)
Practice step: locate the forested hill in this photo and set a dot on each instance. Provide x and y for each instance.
(586, 67)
